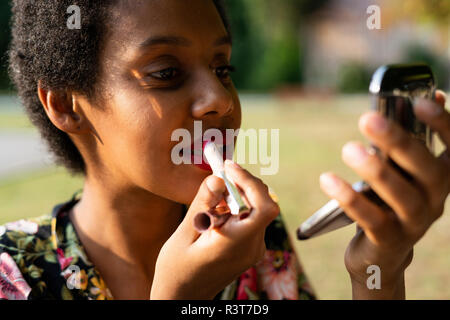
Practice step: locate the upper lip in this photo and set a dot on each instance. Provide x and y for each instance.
(199, 142)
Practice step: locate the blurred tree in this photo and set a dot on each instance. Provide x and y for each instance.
(437, 13)
(267, 49)
(417, 53)
(354, 77)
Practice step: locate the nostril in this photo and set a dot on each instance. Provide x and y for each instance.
(210, 113)
(244, 216)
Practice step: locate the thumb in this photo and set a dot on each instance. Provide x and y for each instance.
(209, 195)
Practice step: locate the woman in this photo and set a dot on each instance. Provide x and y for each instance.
(107, 98)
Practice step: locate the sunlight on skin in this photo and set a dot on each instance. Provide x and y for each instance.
(152, 101)
(156, 107)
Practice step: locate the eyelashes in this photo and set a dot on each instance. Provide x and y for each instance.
(165, 74)
(224, 71)
(171, 74)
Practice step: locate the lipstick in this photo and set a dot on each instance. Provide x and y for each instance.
(211, 219)
(198, 147)
(233, 199)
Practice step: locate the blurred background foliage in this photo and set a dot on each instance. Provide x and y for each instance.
(267, 47)
(273, 48)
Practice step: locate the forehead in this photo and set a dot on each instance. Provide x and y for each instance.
(135, 21)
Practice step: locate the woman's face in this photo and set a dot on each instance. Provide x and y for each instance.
(164, 66)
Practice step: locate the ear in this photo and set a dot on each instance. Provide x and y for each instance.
(60, 108)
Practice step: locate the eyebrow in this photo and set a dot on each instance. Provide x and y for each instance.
(222, 41)
(180, 41)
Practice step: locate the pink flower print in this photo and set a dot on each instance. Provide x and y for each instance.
(247, 279)
(12, 284)
(278, 275)
(63, 261)
(23, 225)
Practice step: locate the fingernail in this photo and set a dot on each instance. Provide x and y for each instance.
(232, 164)
(354, 155)
(378, 124)
(330, 183)
(429, 108)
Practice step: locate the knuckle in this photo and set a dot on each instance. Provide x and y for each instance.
(272, 209)
(439, 177)
(260, 184)
(258, 180)
(438, 212)
(416, 231)
(419, 222)
(417, 213)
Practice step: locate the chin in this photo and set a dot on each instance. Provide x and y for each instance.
(186, 183)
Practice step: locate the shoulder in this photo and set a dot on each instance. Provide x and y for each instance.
(23, 244)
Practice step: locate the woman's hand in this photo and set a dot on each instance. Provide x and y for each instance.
(386, 237)
(191, 265)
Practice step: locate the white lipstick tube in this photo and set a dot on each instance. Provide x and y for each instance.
(233, 199)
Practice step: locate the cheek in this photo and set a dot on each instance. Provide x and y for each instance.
(152, 169)
(140, 146)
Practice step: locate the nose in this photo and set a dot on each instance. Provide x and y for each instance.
(212, 97)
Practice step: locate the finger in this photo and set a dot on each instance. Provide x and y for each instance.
(407, 152)
(435, 116)
(256, 193)
(441, 98)
(209, 195)
(378, 225)
(402, 196)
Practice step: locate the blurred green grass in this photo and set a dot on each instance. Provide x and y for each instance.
(33, 194)
(14, 121)
(312, 133)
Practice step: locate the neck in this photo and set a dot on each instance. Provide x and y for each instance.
(123, 227)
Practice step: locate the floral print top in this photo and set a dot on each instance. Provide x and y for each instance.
(43, 258)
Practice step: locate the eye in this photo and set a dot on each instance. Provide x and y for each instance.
(224, 71)
(166, 74)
